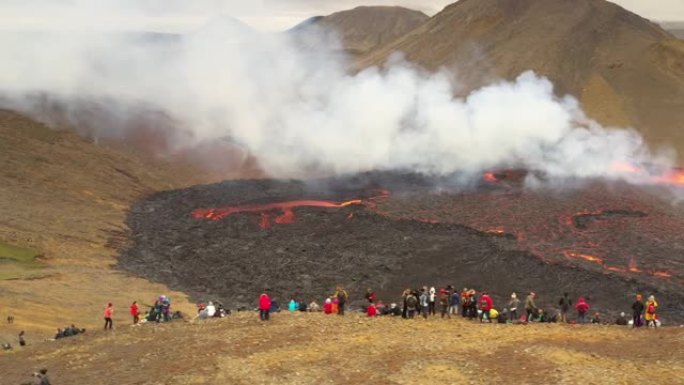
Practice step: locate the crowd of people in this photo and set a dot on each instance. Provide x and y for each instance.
(467, 303)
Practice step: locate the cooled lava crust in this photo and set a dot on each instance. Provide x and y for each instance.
(386, 231)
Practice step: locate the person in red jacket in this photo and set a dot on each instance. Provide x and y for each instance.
(108, 313)
(264, 306)
(582, 308)
(486, 304)
(372, 310)
(327, 306)
(135, 312)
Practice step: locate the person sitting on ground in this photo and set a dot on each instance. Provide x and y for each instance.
(22, 341)
(314, 307)
(372, 311)
(382, 309)
(303, 306)
(395, 310)
(6, 346)
(220, 311)
(67, 332)
(328, 306)
(621, 320)
(60, 334)
(292, 305)
(596, 319)
(211, 309)
(335, 305)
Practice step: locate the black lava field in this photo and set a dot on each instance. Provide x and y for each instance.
(386, 231)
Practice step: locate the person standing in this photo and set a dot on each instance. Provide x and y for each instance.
(342, 298)
(424, 300)
(582, 308)
(404, 309)
(637, 311)
(108, 313)
(513, 305)
(264, 306)
(455, 302)
(411, 304)
(444, 299)
(135, 312)
(486, 305)
(370, 296)
(530, 306)
(564, 303)
(651, 310)
(431, 301)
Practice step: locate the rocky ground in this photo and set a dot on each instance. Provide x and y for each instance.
(304, 348)
(229, 241)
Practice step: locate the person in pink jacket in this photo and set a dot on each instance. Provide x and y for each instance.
(264, 306)
(582, 308)
(108, 313)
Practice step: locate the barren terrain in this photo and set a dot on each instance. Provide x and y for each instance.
(303, 348)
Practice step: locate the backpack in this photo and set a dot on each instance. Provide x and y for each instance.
(651, 309)
(411, 301)
(342, 297)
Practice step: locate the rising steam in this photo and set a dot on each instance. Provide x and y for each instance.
(298, 109)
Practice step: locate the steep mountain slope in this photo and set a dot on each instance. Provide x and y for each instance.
(66, 198)
(624, 69)
(364, 28)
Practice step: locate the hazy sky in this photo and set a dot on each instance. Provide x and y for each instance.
(180, 15)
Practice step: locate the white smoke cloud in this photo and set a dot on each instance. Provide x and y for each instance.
(299, 110)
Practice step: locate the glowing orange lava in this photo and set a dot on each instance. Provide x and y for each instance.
(489, 177)
(586, 257)
(286, 208)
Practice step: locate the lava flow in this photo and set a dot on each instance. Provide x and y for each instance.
(286, 208)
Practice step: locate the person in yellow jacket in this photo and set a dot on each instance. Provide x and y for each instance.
(651, 310)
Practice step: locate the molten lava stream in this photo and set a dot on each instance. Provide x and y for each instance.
(286, 208)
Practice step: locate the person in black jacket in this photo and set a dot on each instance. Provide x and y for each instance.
(565, 303)
(637, 311)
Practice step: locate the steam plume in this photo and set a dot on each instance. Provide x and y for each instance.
(298, 109)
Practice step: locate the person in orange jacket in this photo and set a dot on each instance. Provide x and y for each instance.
(108, 313)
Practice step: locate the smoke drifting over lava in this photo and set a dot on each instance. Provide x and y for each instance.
(299, 110)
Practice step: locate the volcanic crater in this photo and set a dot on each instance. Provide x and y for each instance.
(388, 231)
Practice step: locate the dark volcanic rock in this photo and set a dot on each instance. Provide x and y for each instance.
(358, 246)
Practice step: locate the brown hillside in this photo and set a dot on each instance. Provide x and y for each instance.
(364, 28)
(624, 69)
(66, 198)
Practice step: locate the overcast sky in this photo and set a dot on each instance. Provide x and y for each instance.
(181, 15)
